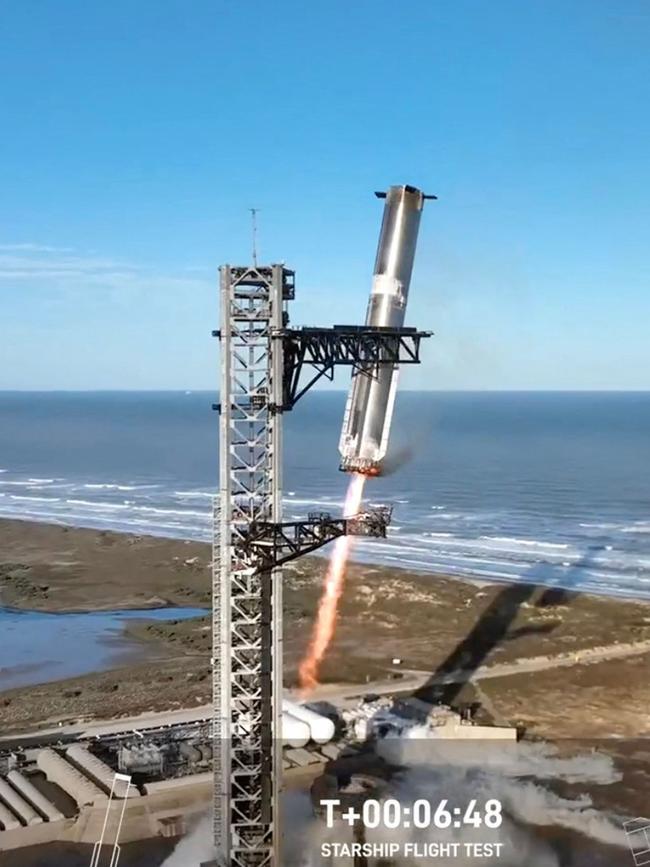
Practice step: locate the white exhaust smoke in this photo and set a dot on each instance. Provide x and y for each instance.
(517, 775)
(195, 848)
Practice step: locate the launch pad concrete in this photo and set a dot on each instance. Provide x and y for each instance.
(166, 813)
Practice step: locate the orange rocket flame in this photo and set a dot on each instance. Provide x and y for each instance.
(334, 582)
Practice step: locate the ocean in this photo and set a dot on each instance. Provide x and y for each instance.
(550, 488)
(36, 646)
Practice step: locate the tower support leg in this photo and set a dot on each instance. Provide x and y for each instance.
(247, 603)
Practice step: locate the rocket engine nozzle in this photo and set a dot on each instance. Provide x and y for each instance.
(360, 465)
(368, 413)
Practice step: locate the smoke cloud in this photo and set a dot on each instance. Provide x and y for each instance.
(396, 459)
(514, 774)
(518, 775)
(195, 848)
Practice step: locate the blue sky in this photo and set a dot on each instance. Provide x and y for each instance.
(137, 134)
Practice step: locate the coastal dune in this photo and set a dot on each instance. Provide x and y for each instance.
(395, 625)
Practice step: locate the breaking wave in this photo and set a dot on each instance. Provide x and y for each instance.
(487, 545)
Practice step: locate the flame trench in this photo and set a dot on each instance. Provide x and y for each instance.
(332, 589)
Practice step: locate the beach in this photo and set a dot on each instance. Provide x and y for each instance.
(570, 670)
(554, 662)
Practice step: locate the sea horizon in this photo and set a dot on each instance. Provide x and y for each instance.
(550, 487)
(331, 391)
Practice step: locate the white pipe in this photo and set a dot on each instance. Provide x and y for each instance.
(7, 819)
(321, 727)
(68, 778)
(37, 799)
(18, 804)
(295, 732)
(99, 772)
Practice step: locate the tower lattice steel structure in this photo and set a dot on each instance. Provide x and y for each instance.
(247, 601)
(261, 363)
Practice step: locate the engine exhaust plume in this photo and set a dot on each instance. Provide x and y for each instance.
(396, 459)
(333, 584)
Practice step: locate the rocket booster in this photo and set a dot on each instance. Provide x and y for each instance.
(369, 410)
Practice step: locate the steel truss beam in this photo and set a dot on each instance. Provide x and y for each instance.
(269, 545)
(323, 349)
(247, 605)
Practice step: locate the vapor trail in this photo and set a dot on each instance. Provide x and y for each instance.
(333, 585)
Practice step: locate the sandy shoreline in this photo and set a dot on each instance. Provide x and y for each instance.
(430, 623)
(48, 567)
(592, 695)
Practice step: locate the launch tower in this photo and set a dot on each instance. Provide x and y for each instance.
(262, 361)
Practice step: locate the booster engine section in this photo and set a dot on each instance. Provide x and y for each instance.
(368, 413)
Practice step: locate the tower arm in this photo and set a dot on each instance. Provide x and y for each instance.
(323, 349)
(267, 545)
